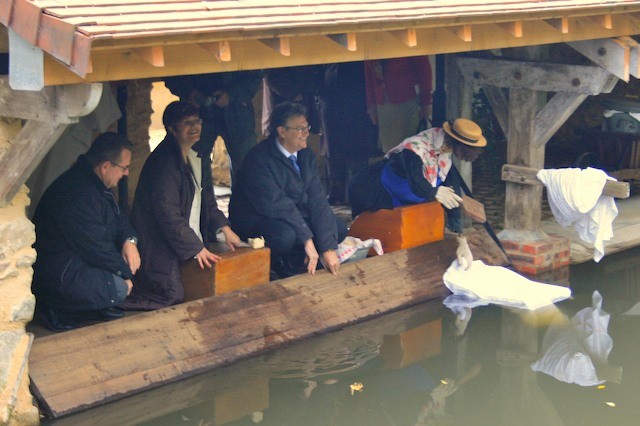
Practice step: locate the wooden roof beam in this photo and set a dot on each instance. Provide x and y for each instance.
(611, 54)
(220, 49)
(279, 44)
(634, 55)
(154, 55)
(408, 36)
(606, 21)
(346, 40)
(462, 31)
(513, 28)
(560, 24)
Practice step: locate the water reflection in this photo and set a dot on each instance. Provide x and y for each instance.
(415, 367)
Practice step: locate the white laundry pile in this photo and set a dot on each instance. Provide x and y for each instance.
(501, 286)
(571, 348)
(575, 197)
(351, 245)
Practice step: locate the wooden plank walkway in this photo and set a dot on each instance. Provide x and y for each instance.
(90, 366)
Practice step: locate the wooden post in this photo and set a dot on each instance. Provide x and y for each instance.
(523, 203)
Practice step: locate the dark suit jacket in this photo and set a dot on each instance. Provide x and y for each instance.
(269, 187)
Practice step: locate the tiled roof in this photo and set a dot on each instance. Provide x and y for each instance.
(69, 29)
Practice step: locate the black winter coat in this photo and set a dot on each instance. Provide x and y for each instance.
(79, 238)
(269, 186)
(160, 214)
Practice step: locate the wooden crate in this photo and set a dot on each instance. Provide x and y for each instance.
(245, 267)
(403, 227)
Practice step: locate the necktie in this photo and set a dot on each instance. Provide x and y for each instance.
(294, 161)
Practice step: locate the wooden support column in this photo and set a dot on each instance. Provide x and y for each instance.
(523, 203)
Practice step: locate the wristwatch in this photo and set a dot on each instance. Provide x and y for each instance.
(132, 240)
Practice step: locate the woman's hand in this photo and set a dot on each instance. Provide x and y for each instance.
(206, 258)
(446, 196)
(231, 238)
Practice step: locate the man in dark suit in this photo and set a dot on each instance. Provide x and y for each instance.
(279, 196)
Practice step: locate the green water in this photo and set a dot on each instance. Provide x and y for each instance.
(418, 366)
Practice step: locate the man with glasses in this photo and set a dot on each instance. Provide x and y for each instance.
(279, 196)
(86, 249)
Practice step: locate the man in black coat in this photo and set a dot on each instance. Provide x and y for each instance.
(87, 250)
(279, 196)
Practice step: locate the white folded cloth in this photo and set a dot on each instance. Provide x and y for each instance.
(501, 286)
(351, 245)
(575, 197)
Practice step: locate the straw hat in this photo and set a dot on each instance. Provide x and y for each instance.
(465, 131)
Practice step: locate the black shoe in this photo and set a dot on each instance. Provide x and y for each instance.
(56, 321)
(107, 314)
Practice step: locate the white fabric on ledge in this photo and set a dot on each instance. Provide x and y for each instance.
(575, 197)
(501, 286)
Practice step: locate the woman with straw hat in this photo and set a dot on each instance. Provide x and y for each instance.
(420, 169)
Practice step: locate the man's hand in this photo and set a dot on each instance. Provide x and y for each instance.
(331, 261)
(446, 196)
(129, 286)
(206, 258)
(231, 238)
(312, 256)
(131, 256)
(463, 253)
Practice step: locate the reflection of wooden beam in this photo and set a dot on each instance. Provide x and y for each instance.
(604, 20)
(407, 36)
(610, 54)
(513, 28)
(528, 176)
(154, 55)
(279, 44)
(346, 40)
(560, 24)
(221, 50)
(462, 31)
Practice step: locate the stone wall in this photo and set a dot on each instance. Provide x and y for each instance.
(17, 234)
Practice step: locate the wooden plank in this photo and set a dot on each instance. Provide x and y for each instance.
(513, 28)
(346, 40)
(407, 36)
(464, 32)
(220, 49)
(153, 55)
(527, 176)
(279, 44)
(560, 24)
(108, 361)
(554, 114)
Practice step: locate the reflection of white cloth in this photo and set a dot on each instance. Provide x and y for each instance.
(570, 348)
(501, 286)
(575, 197)
(350, 246)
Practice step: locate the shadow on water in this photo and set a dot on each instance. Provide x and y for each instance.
(420, 366)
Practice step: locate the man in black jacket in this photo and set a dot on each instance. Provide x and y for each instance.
(86, 248)
(279, 195)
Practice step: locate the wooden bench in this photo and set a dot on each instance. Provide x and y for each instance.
(245, 267)
(403, 227)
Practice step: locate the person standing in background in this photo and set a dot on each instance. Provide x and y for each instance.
(398, 97)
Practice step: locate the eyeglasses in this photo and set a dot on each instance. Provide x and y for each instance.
(191, 123)
(300, 130)
(123, 168)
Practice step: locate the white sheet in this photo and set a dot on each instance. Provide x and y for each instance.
(501, 286)
(575, 197)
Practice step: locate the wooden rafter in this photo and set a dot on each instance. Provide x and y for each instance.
(346, 40)
(279, 44)
(407, 36)
(606, 21)
(560, 24)
(220, 49)
(513, 28)
(153, 55)
(464, 32)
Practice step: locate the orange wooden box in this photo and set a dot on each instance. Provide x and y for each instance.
(245, 267)
(403, 227)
